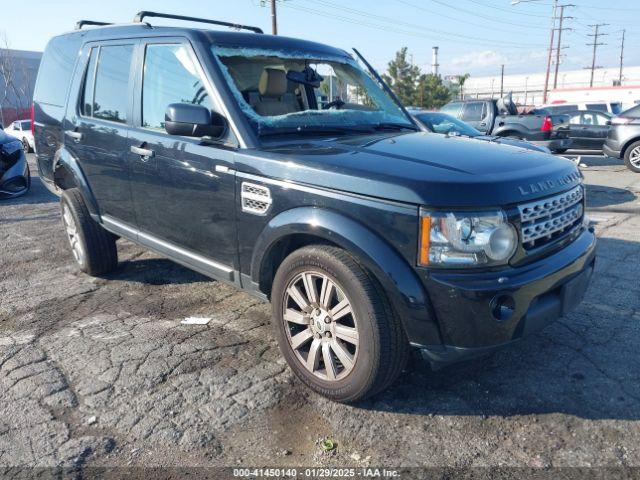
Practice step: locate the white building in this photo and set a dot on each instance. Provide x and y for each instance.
(528, 88)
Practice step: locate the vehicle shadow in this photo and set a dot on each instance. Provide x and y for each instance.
(585, 364)
(604, 196)
(594, 159)
(155, 271)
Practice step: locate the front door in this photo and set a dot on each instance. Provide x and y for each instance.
(96, 129)
(183, 188)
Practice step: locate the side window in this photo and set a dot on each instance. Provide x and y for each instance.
(170, 76)
(576, 119)
(105, 97)
(473, 112)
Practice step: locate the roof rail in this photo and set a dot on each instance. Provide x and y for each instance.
(82, 23)
(138, 18)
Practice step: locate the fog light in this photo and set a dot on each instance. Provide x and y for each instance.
(502, 307)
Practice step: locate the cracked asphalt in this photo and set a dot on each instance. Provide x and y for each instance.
(100, 372)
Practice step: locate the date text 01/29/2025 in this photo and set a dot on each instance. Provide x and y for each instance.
(365, 472)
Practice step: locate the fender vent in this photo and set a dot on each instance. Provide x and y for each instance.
(256, 199)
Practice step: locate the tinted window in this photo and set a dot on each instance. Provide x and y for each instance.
(112, 78)
(170, 76)
(26, 125)
(89, 79)
(453, 109)
(473, 112)
(54, 73)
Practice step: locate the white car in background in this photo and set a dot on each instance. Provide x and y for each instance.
(21, 129)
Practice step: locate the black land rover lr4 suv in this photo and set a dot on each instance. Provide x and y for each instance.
(282, 167)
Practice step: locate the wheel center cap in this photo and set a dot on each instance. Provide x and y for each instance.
(321, 321)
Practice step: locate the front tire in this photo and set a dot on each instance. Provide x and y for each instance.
(335, 326)
(25, 145)
(93, 248)
(559, 150)
(632, 157)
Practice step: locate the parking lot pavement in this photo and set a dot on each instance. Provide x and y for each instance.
(100, 372)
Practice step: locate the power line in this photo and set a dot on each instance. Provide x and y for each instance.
(476, 14)
(484, 5)
(463, 19)
(392, 28)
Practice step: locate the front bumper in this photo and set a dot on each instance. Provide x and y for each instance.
(16, 180)
(611, 150)
(479, 312)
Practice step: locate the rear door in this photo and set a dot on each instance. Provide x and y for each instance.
(97, 125)
(183, 188)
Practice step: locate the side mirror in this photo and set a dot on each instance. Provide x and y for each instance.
(190, 120)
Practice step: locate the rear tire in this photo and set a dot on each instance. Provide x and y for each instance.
(632, 157)
(25, 145)
(93, 248)
(560, 150)
(342, 356)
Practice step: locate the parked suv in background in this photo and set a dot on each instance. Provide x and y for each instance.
(367, 235)
(21, 129)
(623, 140)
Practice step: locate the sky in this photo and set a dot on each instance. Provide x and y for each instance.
(474, 36)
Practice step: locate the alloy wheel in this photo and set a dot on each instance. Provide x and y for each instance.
(321, 325)
(72, 234)
(634, 157)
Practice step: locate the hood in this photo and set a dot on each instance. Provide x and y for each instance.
(513, 142)
(418, 168)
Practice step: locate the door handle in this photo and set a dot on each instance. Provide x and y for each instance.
(76, 136)
(483, 124)
(145, 153)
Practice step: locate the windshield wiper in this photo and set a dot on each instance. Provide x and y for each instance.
(314, 130)
(394, 126)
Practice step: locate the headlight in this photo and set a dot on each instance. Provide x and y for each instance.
(452, 239)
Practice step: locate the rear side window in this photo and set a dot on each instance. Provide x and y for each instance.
(106, 83)
(56, 67)
(170, 76)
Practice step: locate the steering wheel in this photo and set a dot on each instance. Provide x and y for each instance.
(336, 103)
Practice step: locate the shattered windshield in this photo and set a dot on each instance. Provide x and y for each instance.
(282, 92)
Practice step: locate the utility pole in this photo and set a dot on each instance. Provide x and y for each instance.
(559, 46)
(553, 31)
(502, 80)
(274, 18)
(621, 57)
(595, 45)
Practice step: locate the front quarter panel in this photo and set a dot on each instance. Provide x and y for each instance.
(381, 235)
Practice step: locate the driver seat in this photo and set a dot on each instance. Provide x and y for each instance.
(272, 97)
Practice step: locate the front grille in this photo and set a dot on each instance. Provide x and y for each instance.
(545, 220)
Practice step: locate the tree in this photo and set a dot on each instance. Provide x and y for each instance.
(402, 77)
(461, 81)
(431, 92)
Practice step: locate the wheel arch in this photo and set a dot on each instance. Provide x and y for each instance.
(303, 226)
(626, 146)
(67, 173)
